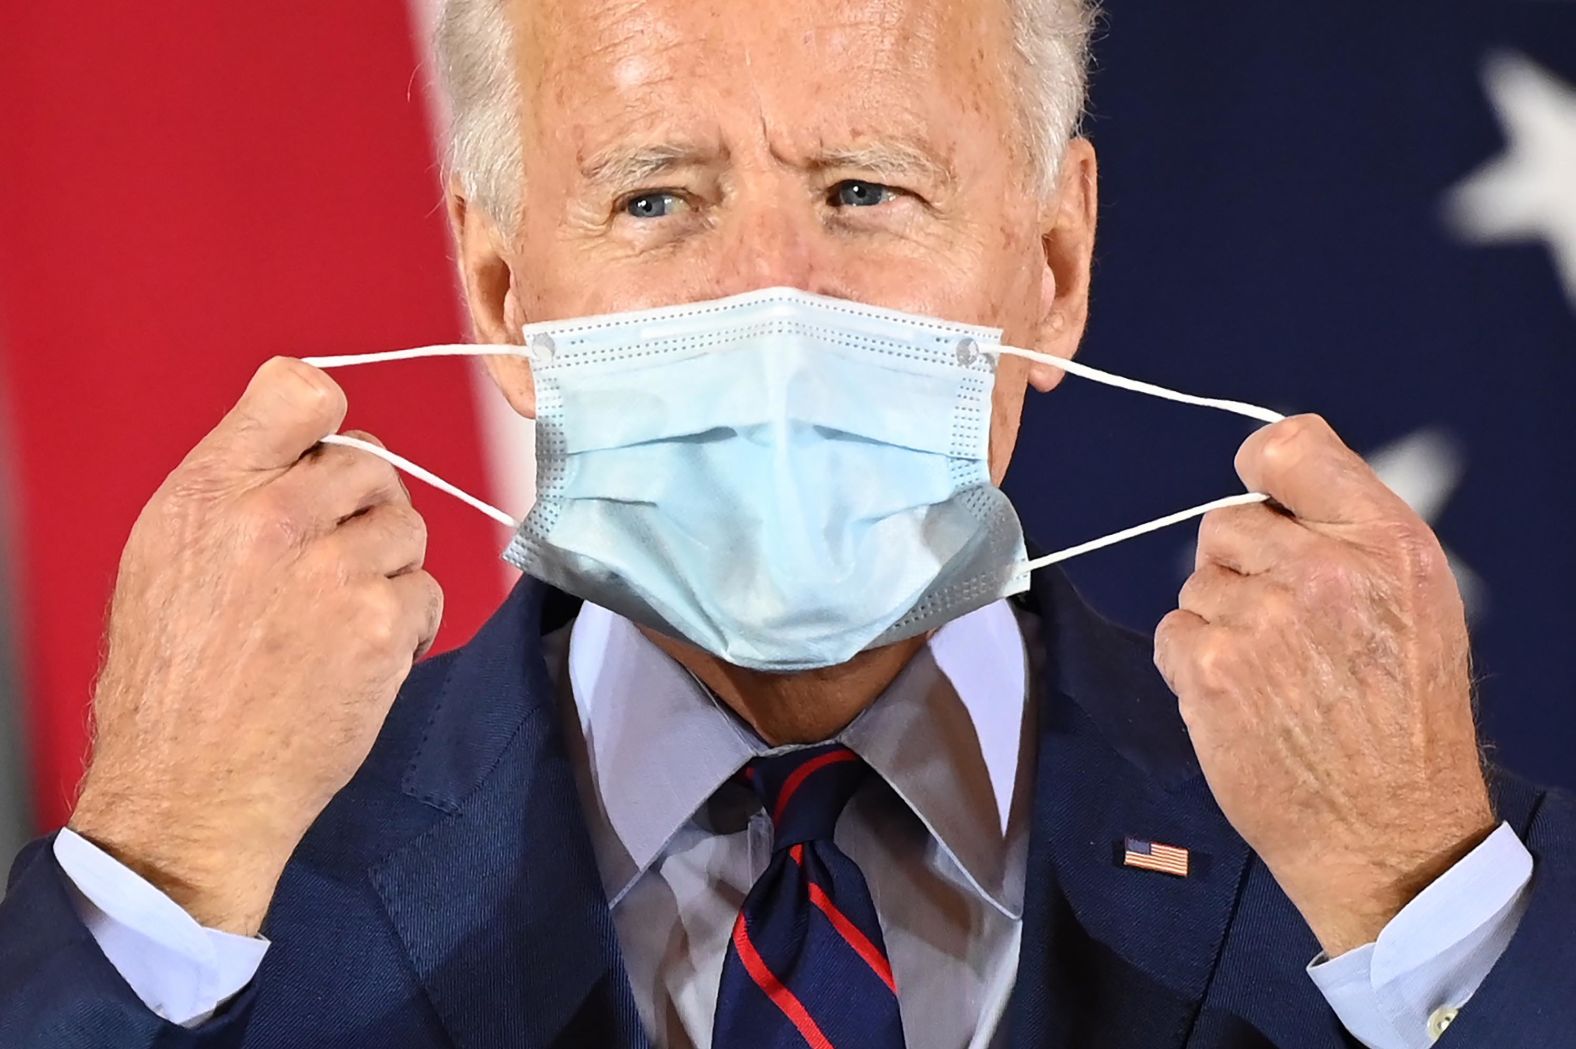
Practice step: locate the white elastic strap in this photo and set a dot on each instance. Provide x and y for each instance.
(402, 463)
(466, 350)
(1246, 499)
(399, 461)
(1252, 411)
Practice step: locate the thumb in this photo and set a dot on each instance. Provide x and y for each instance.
(287, 408)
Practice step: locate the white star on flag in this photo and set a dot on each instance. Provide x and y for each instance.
(1529, 193)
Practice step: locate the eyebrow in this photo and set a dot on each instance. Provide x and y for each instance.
(894, 160)
(628, 167)
(889, 160)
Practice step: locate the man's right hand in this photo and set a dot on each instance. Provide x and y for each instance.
(270, 602)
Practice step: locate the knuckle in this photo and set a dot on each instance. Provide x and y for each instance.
(1209, 589)
(1277, 605)
(403, 529)
(380, 617)
(401, 525)
(417, 525)
(388, 480)
(434, 592)
(1166, 639)
(1326, 582)
(273, 522)
(1214, 664)
(1421, 557)
(1212, 530)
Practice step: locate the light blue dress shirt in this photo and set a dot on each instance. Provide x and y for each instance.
(941, 834)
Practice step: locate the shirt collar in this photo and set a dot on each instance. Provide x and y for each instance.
(947, 736)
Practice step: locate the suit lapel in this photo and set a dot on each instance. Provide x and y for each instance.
(499, 903)
(1113, 956)
(500, 906)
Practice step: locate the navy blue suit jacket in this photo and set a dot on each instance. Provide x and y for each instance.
(448, 897)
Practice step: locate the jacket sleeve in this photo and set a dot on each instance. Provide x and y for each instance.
(1526, 1001)
(59, 991)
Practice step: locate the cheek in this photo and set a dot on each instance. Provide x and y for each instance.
(1006, 413)
(997, 282)
(513, 377)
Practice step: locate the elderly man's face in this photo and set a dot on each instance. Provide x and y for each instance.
(678, 150)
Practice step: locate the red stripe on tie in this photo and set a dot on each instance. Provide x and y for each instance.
(848, 930)
(803, 772)
(856, 939)
(781, 996)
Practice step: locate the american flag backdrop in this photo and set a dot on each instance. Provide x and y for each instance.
(1366, 210)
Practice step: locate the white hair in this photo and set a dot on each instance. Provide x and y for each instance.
(476, 69)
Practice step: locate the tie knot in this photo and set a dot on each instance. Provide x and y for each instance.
(804, 791)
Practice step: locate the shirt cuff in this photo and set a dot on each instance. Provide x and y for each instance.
(181, 970)
(1401, 991)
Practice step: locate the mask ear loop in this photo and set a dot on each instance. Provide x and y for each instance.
(967, 348)
(421, 474)
(469, 349)
(1084, 371)
(399, 462)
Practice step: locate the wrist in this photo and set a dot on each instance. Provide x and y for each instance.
(1348, 905)
(222, 886)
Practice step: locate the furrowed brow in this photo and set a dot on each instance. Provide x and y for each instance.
(896, 161)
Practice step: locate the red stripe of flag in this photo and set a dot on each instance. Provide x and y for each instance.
(244, 180)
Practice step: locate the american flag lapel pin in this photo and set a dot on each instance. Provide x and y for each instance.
(1153, 856)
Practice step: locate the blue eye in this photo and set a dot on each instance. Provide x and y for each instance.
(856, 194)
(651, 205)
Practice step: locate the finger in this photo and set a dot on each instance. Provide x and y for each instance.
(338, 482)
(1177, 635)
(287, 408)
(1304, 466)
(1249, 539)
(390, 539)
(422, 598)
(1213, 593)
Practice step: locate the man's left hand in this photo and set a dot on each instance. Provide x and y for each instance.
(1320, 657)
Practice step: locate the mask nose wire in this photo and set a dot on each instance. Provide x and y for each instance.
(1251, 411)
(399, 462)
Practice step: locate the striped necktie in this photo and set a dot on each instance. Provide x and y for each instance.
(806, 964)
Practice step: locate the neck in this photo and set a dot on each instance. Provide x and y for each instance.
(805, 707)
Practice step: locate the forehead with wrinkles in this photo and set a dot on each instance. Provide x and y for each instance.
(922, 81)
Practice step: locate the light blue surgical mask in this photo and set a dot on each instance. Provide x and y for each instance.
(780, 478)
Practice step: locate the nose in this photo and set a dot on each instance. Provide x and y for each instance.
(775, 241)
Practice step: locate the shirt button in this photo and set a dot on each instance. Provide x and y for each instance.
(1440, 1019)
